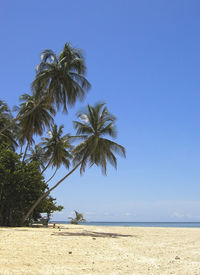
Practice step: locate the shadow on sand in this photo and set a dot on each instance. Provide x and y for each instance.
(91, 234)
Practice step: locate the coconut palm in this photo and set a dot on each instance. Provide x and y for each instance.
(35, 117)
(4, 110)
(61, 77)
(57, 148)
(95, 123)
(9, 135)
(37, 154)
(60, 80)
(78, 218)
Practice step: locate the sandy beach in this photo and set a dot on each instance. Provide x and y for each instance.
(79, 249)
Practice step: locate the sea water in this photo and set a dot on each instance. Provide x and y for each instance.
(140, 224)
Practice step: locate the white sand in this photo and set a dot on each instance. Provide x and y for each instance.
(87, 250)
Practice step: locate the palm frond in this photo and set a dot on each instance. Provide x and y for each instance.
(95, 149)
(61, 78)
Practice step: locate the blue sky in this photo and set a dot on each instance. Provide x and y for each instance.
(143, 60)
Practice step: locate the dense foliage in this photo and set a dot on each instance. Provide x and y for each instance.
(20, 186)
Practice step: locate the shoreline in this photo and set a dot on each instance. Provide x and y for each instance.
(85, 249)
(137, 224)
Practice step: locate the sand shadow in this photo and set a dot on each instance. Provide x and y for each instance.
(91, 234)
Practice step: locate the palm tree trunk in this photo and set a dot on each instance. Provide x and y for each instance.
(45, 168)
(25, 152)
(11, 124)
(47, 193)
(52, 176)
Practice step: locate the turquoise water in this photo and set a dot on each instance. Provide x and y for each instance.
(141, 224)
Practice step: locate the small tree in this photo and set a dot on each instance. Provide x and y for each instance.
(77, 219)
(20, 185)
(48, 207)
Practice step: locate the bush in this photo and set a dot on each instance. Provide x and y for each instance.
(20, 186)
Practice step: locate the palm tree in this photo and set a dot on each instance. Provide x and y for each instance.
(95, 123)
(61, 77)
(78, 218)
(34, 118)
(9, 135)
(57, 148)
(4, 110)
(60, 80)
(37, 154)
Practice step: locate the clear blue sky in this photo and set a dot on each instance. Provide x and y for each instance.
(143, 59)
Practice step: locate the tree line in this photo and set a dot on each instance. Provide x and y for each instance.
(60, 81)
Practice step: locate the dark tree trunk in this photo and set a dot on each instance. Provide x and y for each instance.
(25, 152)
(47, 192)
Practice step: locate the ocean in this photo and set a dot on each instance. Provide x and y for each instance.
(140, 224)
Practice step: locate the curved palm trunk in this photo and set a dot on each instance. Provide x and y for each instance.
(45, 168)
(52, 176)
(25, 152)
(9, 125)
(47, 193)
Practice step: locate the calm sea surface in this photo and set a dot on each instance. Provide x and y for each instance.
(141, 224)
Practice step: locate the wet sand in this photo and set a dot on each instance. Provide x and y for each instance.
(79, 249)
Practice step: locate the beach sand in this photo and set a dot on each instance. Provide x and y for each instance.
(79, 249)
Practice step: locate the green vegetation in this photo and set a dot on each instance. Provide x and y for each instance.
(20, 186)
(59, 82)
(79, 218)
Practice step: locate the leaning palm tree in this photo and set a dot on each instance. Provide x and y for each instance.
(60, 80)
(61, 77)
(95, 124)
(35, 117)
